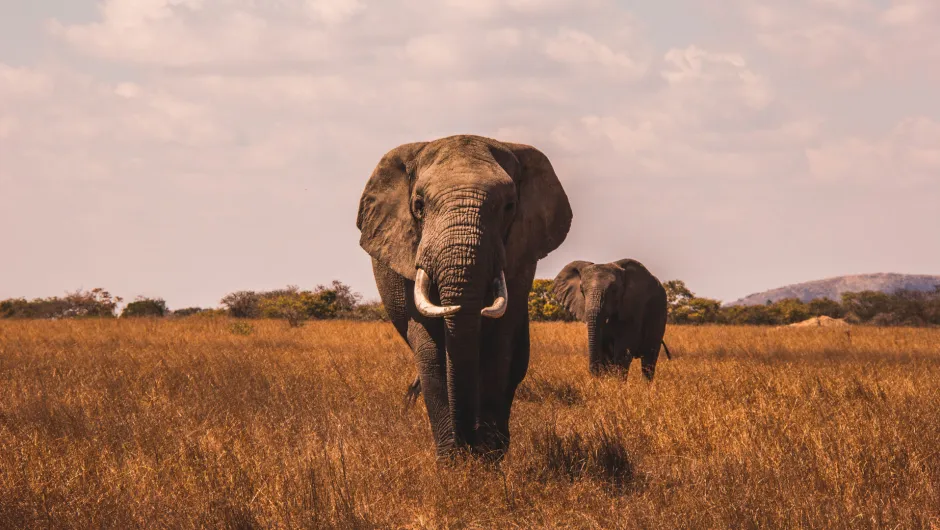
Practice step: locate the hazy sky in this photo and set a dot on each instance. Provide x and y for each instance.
(190, 148)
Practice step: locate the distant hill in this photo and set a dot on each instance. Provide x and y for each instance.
(833, 288)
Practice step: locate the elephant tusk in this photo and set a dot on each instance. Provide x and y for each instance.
(498, 309)
(425, 307)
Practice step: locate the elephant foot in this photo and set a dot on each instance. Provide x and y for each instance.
(616, 370)
(489, 450)
(493, 445)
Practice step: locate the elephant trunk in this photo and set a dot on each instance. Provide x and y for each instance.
(595, 320)
(462, 342)
(462, 261)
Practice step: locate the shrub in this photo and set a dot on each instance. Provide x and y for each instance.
(242, 304)
(79, 304)
(683, 307)
(295, 307)
(370, 311)
(241, 328)
(293, 304)
(696, 311)
(825, 307)
(543, 306)
(188, 311)
(145, 307)
(345, 299)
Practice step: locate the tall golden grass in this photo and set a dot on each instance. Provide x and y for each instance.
(205, 423)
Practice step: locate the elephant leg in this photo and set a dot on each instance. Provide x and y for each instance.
(627, 342)
(504, 363)
(607, 344)
(395, 292)
(427, 340)
(519, 365)
(495, 360)
(652, 338)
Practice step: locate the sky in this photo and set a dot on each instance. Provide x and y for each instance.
(190, 148)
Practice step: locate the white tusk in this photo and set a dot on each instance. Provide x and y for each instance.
(498, 309)
(425, 307)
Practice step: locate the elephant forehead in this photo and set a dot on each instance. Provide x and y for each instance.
(599, 275)
(464, 170)
(469, 152)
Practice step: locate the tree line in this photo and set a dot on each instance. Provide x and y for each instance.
(338, 301)
(901, 308)
(293, 304)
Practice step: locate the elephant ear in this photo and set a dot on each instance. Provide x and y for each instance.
(388, 231)
(567, 288)
(638, 285)
(543, 214)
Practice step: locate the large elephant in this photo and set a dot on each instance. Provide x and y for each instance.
(624, 307)
(455, 228)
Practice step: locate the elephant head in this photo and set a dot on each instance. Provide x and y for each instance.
(623, 305)
(465, 218)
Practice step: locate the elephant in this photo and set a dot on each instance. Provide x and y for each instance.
(455, 227)
(624, 307)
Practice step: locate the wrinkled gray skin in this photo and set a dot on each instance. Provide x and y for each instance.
(624, 307)
(462, 209)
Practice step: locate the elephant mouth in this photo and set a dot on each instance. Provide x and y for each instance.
(427, 308)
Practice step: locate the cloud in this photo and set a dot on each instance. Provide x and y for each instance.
(847, 42)
(23, 82)
(334, 11)
(716, 74)
(907, 155)
(578, 48)
(206, 137)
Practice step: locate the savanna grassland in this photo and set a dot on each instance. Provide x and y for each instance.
(216, 423)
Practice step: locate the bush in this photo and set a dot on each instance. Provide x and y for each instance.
(211, 313)
(696, 311)
(371, 311)
(145, 307)
(96, 303)
(188, 311)
(543, 306)
(294, 307)
(824, 307)
(242, 304)
(293, 304)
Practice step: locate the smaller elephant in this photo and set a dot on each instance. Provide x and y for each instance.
(624, 307)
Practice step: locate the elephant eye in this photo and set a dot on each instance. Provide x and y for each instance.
(510, 206)
(418, 207)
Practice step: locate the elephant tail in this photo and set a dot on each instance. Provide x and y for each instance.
(668, 355)
(414, 390)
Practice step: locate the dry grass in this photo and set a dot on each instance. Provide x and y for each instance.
(188, 424)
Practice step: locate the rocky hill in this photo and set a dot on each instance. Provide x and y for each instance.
(834, 287)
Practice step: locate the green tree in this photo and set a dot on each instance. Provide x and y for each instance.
(242, 304)
(97, 303)
(345, 300)
(145, 307)
(292, 307)
(789, 311)
(188, 311)
(677, 293)
(747, 315)
(866, 305)
(543, 306)
(683, 307)
(827, 307)
(697, 310)
(373, 311)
